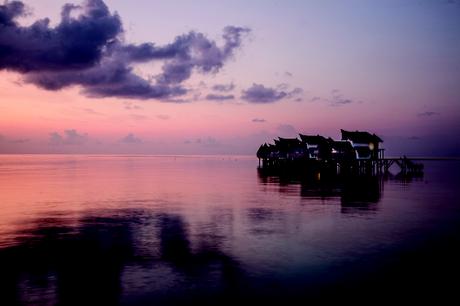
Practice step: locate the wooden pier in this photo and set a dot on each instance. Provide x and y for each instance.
(358, 167)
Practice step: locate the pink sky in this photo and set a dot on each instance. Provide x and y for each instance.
(391, 69)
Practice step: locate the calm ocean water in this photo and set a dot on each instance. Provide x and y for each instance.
(150, 230)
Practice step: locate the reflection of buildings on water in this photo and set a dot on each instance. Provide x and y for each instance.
(360, 192)
(97, 260)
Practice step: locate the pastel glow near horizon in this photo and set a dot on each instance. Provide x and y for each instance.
(207, 77)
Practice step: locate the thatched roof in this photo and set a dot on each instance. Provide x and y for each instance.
(313, 140)
(360, 136)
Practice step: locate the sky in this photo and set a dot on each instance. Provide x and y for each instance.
(222, 77)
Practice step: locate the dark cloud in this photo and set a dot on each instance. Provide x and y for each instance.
(75, 43)
(223, 87)
(414, 138)
(428, 114)
(70, 137)
(131, 139)
(258, 120)
(215, 97)
(287, 73)
(87, 50)
(258, 93)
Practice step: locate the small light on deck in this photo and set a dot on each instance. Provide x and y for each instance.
(318, 176)
(371, 146)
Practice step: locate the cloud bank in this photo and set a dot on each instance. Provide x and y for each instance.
(86, 49)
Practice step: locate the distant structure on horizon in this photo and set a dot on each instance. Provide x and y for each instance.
(357, 152)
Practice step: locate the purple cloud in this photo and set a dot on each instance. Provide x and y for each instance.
(88, 51)
(428, 114)
(338, 99)
(70, 137)
(258, 120)
(75, 43)
(314, 99)
(258, 93)
(131, 139)
(130, 105)
(215, 97)
(223, 87)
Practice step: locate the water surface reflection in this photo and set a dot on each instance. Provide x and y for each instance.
(93, 259)
(119, 230)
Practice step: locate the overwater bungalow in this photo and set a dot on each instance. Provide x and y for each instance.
(289, 148)
(316, 147)
(342, 150)
(357, 152)
(365, 144)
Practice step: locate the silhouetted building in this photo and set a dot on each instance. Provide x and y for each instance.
(342, 150)
(316, 147)
(365, 144)
(289, 148)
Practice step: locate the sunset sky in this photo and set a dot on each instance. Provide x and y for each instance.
(221, 77)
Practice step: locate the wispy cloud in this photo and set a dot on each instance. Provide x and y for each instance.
(338, 98)
(258, 120)
(91, 111)
(130, 105)
(223, 87)
(314, 99)
(131, 139)
(13, 141)
(214, 97)
(138, 117)
(163, 117)
(428, 114)
(206, 141)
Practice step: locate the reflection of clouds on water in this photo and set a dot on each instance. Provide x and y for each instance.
(104, 258)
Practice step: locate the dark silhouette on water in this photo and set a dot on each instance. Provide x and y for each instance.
(353, 192)
(358, 152)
